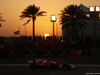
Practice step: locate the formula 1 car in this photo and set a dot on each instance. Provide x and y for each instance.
(47, 63)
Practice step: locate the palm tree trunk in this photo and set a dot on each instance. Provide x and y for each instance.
(33, 28)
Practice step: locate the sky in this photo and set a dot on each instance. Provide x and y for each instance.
(11, 10)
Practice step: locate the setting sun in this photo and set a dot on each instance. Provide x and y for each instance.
(46, 35)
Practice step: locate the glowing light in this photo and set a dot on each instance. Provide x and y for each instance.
(46, 35)
(61, 40)
(97, 8)
(91, 9)
(53, 18)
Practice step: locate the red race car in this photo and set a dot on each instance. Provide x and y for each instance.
(47, 63)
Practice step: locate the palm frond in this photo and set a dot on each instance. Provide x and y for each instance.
(73, 20)
(41, 13)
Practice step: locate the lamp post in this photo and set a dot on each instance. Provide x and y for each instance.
(94, 10)
(53, 19)
(24, 23)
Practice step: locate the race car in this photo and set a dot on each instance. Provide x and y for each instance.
(48, 63)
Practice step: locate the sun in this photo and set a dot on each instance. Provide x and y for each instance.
(45, 35)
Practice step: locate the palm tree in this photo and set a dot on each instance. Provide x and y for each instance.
(1, 19)
(72, 20)
(32, 12)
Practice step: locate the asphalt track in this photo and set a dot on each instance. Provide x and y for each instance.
(19, 66)
(24, 70)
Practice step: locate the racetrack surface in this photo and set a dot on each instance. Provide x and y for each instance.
(19, 66)
(18, 70)
(73, 60)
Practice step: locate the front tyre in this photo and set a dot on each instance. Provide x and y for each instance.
(65, 66)
(73, 67)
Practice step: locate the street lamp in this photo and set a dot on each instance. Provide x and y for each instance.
(91, 9)
(94, 10)
(97, 8)
(53, 19)
(24, 23)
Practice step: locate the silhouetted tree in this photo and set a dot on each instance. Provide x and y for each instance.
(32, 12)
(72, 20)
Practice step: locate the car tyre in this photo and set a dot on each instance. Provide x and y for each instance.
(32, 66)
(65, 66)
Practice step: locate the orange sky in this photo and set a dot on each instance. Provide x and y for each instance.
(11, 10)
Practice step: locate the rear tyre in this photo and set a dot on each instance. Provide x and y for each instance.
(32, 66)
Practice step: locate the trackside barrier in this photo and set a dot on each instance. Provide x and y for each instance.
(34, 53)
(42, 53)
(4, 46)
(83, 52)
(74, 53)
